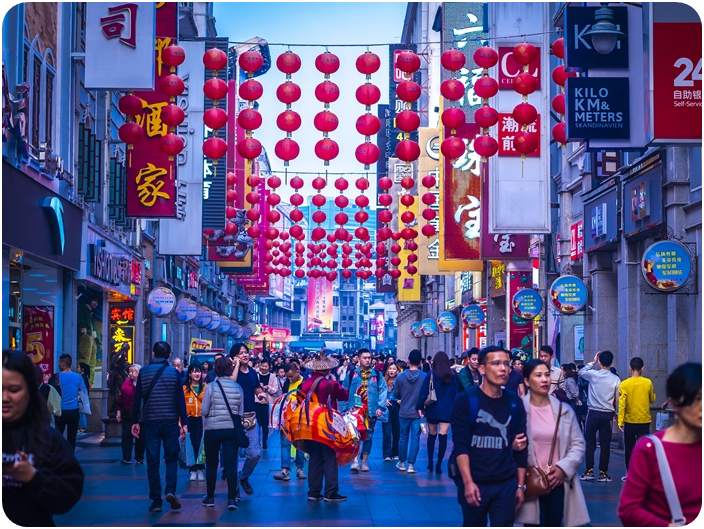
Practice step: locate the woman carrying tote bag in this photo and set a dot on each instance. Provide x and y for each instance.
(565, 500)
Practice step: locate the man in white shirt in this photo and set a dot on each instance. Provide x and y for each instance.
(557, 378)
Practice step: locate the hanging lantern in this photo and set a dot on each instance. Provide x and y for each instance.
(452, 147)
(215, 59)
(408, 91)
(172, 115)
(287, 149)
(288, 62)
(408, 62)
(525, 53)
(560, 76)
(485, 146)
(407, 121)
(486, 87)
(130, 104)
(251, 90)
(130, 133)
(558, 48)
(558, 103)
(559, 133)
(215, 118)
(327, 92)
(327, 63)
(453, 59)
(215, 89)
(288, 93)
(214, 148)
(525, 83)
(173, 56)
(326, 149)
(325, 121)
(368, 124)
(486, 57)
(172, 85)
(407, 150)
(368, 94)
(367, 154)
(453, 118)
(486, 117)
(250, 61)
(368, 63)
(248, 119)
(288, 121)
(525, 142)
(525, 113)
(171, 144)
(249, 148)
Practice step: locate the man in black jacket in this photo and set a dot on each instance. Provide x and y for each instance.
(159, 403)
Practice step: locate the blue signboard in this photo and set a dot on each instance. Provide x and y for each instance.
(428, 326)
(415, 329)
(579, 51)
(473, 316)
(447, 321)
(568, 294)
(666, 266)
(527, 303)
(598, 108)
(203, 316)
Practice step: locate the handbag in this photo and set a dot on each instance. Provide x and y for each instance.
(83, 401)
(190, 454)
(249, 420)
(668, 484)
(432, 396)
(537, 483)
(240, 434)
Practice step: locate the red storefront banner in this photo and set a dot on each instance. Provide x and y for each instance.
(509, 68)
(462, 201)
(508, 128)
(151, 175)
(677, 81)
(577, 241)
(38, 337)
(520, 333)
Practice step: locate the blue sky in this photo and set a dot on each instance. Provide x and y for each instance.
(324, 23)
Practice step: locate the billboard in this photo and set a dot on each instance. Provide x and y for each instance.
(320, 307)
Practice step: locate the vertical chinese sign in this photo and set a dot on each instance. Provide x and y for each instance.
(122, 329)
(380, 320)
(319, 305)
(520, 331)
(151, 174)
(38, 337)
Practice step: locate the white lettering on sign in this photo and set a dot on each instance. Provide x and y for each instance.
(472, 225)
(592, 111)
(462, 35)
(688, 70)
(505, 244)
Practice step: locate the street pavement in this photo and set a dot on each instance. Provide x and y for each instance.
(117, 495)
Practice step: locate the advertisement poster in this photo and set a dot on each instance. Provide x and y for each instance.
(319, 305)
(89, 315)
(428, 327)
(520, 331)
(578, 342)
(161, 301)
(527, 303)
(415, 329)
(380, 326)
(447, 321)
(38, 337)
(568, 294)
(666, 266)
(473, 316)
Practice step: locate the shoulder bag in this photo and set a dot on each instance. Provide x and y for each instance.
(537, 483)
(83, 400)
(432, 396)
(240, 434)
(668, 484)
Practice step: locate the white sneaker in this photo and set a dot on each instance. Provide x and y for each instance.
(355, 465)
(401, 466)
(364, 467)
(411, 470)
(300, 474)
(623, 478)
(387, 459)
(194, 476)
(201, 475)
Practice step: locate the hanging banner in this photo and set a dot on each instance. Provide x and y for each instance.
(473, 316)
(416, 332)
(527, 303)
(161, 301)
(380, 323)
(447, 321)
(320, 309)
(428, 327)
(186, 310)
(38, 337)
(568, 294)
(667, 266)
(520, 331)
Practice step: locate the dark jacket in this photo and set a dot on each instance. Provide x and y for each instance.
(441, 411)
(406, 389)
(465, 380)
(166, 401)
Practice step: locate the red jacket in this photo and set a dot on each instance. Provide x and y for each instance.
(125, 399)
(326, 387)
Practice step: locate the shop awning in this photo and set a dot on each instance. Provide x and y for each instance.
(307, 345)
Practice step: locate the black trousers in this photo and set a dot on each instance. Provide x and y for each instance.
(392, 432)
(213, 441)
(598, 421)
(69, 422)
(262, 411)
(631, 433)
(128, 440)
(322, 463)
(195, 429)
(551, 508)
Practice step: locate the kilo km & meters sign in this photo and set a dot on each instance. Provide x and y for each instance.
(598, 108)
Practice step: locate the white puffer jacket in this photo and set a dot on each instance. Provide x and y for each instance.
(214, 410)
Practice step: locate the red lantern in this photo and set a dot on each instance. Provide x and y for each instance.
(230, 196)
(362, 233)
(407, 121)
(326, 149)
(453, 118)
(395, 273)
(325, 121)
(407, 200)
(368, 94)
(131, 105)
(253, 214)
(288, 93)
(407, 150)
(408, 62)
(525, 84)
(215, 148)
(251, 90)
(130, 133)
(296, 231)
(327, 92)
(172, 115)
(558, 48)
(250, 61)
(296, 182)
(171, 144)
(215, 59)
(296, 216)
(453, 59)
(384, 234)
(428, 199)
(385, 183)
(287, 149)
(559, 132)
(560, 76)
(428, 181)
(361, 201)
(215, 89)
(319, 217)
(429, 214)
(362, 183)
(288, 62)
(327, 63)
(452, 89)
(231, 178)
(525, 142)
(407, 217)
(385, 200)
(525, 53)
(452, 147)
(485, 146)
(288, 121)
(172, 85)
(367, 153)
(558, 103)
(368, 124)
(525, 113)
(368, 63)
(252, 197)
(249, 148)
(346, 274)
(408, 91)
(341, 201)
(271, 233)
(254, 232)
(486, 57)
(248, 119)
(215, 118)
(486, 117)
(486, 87)
(361, 217)
(173, 56)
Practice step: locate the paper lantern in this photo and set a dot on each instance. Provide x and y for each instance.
(248, 119)
(288, 121)
(288, 93)
(407, 121)
(367, 153)
(327, 92)
(407, 150)
(325, 121)
(486, 57)
(453, 59)
(368, 124)
(560, 76)
(216, 118)
(251, 90)
(525, 142)
(250, 61)
(249, 148)
(525, 53)
(368, 94)
(486, 87)
(327, 63)
(558, 48)
(486, 117)
(368, 63)
(525, 113)
(326, 149)
(485, 146)
(131, 105)
(173, 56)
(453, 118)
(408, 91)
(172, 85)
(559, 132)
(130, 133)
(525, 83)
(215, 59)
(287, 149)
(408, 62)
(215, 89)
(172, 115)
(452, 147)
(558, 103)
(171, 144)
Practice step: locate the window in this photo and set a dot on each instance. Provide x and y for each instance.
(335, 326)
(335, 301)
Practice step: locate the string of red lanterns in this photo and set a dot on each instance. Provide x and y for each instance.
(486, 87)
(172, 114)
(130, 132)
(288, 121)
(215, 89)
(525, 114)
(326, 92)
(296, 231)
(559, 77)
(452, 116)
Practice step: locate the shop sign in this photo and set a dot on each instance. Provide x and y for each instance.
(380, 320)
(224, 325)
(115, 269)
(214, 322)
(667, 266)
(497, 283)
(447, 321)
(203, 316)
(120, 335)
(577, 241)
(198, 344)
(161, 301)
(122, 313)
(38, 334)
(643, 199)
(598, 108)
(568, 294)
(473, 316)
(234, 328)
(186, 310)
(520, 331)
(192, 279)
(136, 272)
(507, 129)
(509, 68)
(428, 327)
(416, 332)
(527, 303)
(579, 51)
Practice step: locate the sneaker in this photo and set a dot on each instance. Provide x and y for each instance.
(208, 501)
(155, 506)
(232, 505)
(194, 476)
(284, 475)
(172, 500)
(411, 470)
(438, 469)
(395, 458)
(246, 487)
(335, 497)
(140, 461)
(364, 467)
(355, 466)
(624, 478)
(125, 462)
(300, 474)
(315, 497)
(401, 466)
(387, 459)
(604, 477)
(588, 475)
(200, 475)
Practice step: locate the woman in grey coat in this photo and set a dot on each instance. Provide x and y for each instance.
(220, 431)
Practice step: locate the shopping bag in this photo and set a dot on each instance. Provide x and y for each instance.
(662, 420)
(190, 454)
(83, 401)
(201, 454)
(182, 453)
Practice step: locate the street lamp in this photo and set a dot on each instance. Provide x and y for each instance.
(604, 32)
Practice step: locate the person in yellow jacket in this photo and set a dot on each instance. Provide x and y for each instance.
(636, 396)
(193, 390)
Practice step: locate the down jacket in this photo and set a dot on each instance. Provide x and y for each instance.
(214, 411)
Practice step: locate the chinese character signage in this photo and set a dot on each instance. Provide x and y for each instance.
(473, 316)
(568, 294)
(119, 46)
(415, 329)
(447, 321)
(527, 303)
(161, 301)
(507, 129)
(121, 321)
(428, 327)
(320, 307)
(38, 337)
(577, 241)
(598, 220)
(667, 266)
(598, 108)
(497, 281)
(509, 68)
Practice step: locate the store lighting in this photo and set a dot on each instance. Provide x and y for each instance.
(604, 32)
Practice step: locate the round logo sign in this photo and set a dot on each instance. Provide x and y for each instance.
(473, 316)
(428, 326)
(161, 301)
(203, 316)
(214, 322)
(527, 303)
(447, 321)
(666, 266)
(234, 327)
(568, 294)
(186, 309)
(415, 329)
(224, 324)
(240, 333)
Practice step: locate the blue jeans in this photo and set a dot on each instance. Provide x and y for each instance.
(367, 445)
(286, 454)
(156, 433)
(409, 427)
(251, 453)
